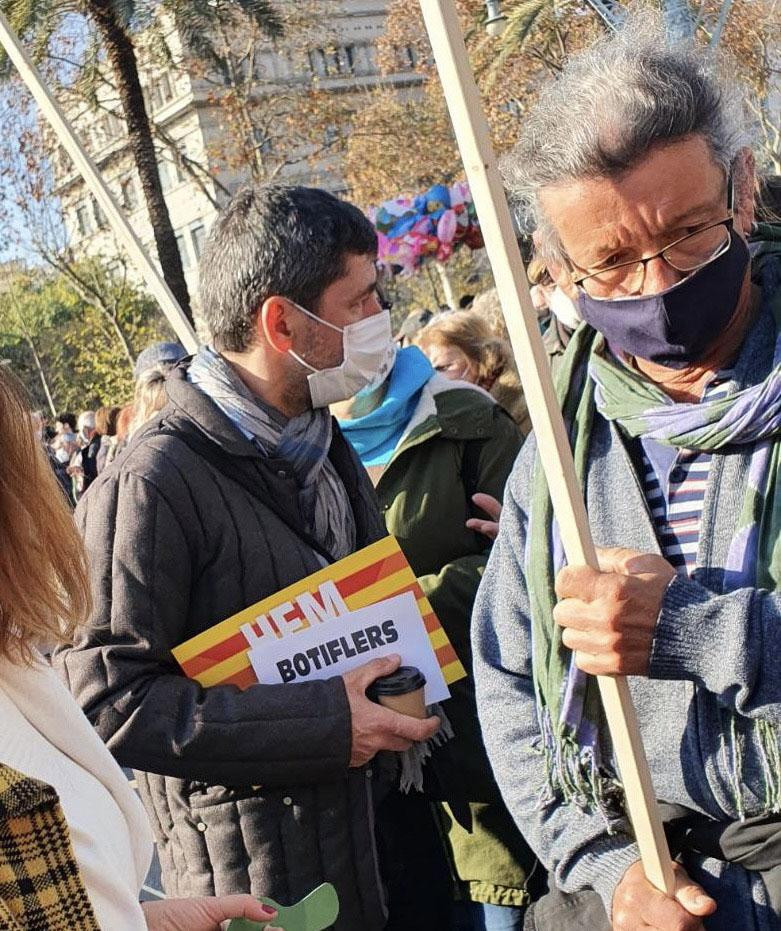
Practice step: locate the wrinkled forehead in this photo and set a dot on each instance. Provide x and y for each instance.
(673, 187)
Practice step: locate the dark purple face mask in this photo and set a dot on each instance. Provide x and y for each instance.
(675, 327)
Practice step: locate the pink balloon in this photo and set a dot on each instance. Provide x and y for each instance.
(459, 194)
(446, 228)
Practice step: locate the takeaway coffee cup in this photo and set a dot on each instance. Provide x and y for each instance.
(401, 691)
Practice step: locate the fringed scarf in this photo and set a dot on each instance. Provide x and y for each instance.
(572, 722)
(303, 441)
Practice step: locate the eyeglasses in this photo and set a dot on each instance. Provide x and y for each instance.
(687, 254)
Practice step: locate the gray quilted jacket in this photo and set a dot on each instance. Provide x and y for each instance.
(247, 791)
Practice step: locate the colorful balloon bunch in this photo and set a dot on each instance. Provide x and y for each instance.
(431, 225)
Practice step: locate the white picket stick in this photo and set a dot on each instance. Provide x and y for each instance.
(474, 142)
(94, 181)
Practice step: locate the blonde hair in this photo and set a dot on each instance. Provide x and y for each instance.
(44, 587)
(150, 396)
(472, 334)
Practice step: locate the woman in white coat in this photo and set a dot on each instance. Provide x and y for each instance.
(44, 736)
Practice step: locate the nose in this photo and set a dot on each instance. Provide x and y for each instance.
(660, 275)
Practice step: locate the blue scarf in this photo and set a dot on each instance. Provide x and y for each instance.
(375, 435)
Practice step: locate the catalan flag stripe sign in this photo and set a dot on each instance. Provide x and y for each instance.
(219, 655)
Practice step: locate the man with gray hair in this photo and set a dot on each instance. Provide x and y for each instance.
(241, 486)
(636, 169)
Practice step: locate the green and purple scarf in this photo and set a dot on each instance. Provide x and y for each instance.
(571, 719)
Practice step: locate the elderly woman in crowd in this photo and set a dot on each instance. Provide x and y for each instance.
(461, 345)
(74, 842)
(635, 164)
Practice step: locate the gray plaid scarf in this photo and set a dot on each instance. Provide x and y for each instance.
(303, 441)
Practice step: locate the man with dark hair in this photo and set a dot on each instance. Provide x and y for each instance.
(242, 485)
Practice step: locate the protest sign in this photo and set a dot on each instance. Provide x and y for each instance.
(393, 625)
(320, 609)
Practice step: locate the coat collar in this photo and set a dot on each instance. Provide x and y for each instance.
(188, 402)
(204, 413)
(453, 409)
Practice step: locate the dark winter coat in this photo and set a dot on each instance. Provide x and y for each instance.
(248, 791)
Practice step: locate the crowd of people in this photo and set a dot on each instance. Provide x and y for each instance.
(79, 448)
(304, 430)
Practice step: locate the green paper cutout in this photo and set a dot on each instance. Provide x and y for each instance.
(315, 912)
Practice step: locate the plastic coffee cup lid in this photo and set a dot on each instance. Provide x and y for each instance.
(406, 679)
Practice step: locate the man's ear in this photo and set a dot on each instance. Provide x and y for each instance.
(744, 190)
(273, 325)
(562, 278)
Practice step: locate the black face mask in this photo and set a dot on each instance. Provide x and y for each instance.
(675, 327)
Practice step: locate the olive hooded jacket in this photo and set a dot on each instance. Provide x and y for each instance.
(457, 442)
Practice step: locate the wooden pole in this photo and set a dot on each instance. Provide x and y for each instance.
(94, 181)
(474, 142)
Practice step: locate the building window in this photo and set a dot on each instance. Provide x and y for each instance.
(84, 220)
(333, 61)
(184, 252)
(129, 194)
(98, 134)
(160, 90)
(406, 57)
(114, 125)
(364, 59)
(317, 62)
(100, 216)
(163, 167)
(198, 234)
(170, 175)
(345, 59)
(62, 162)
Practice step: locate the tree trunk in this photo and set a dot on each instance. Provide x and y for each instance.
(42, 376)
(122, 58)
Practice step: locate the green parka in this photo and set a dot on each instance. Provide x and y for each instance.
(458, 442)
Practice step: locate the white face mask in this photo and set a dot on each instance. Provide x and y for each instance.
(564, 308)
(368, 357)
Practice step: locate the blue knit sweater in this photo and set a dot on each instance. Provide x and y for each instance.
(711, 653)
